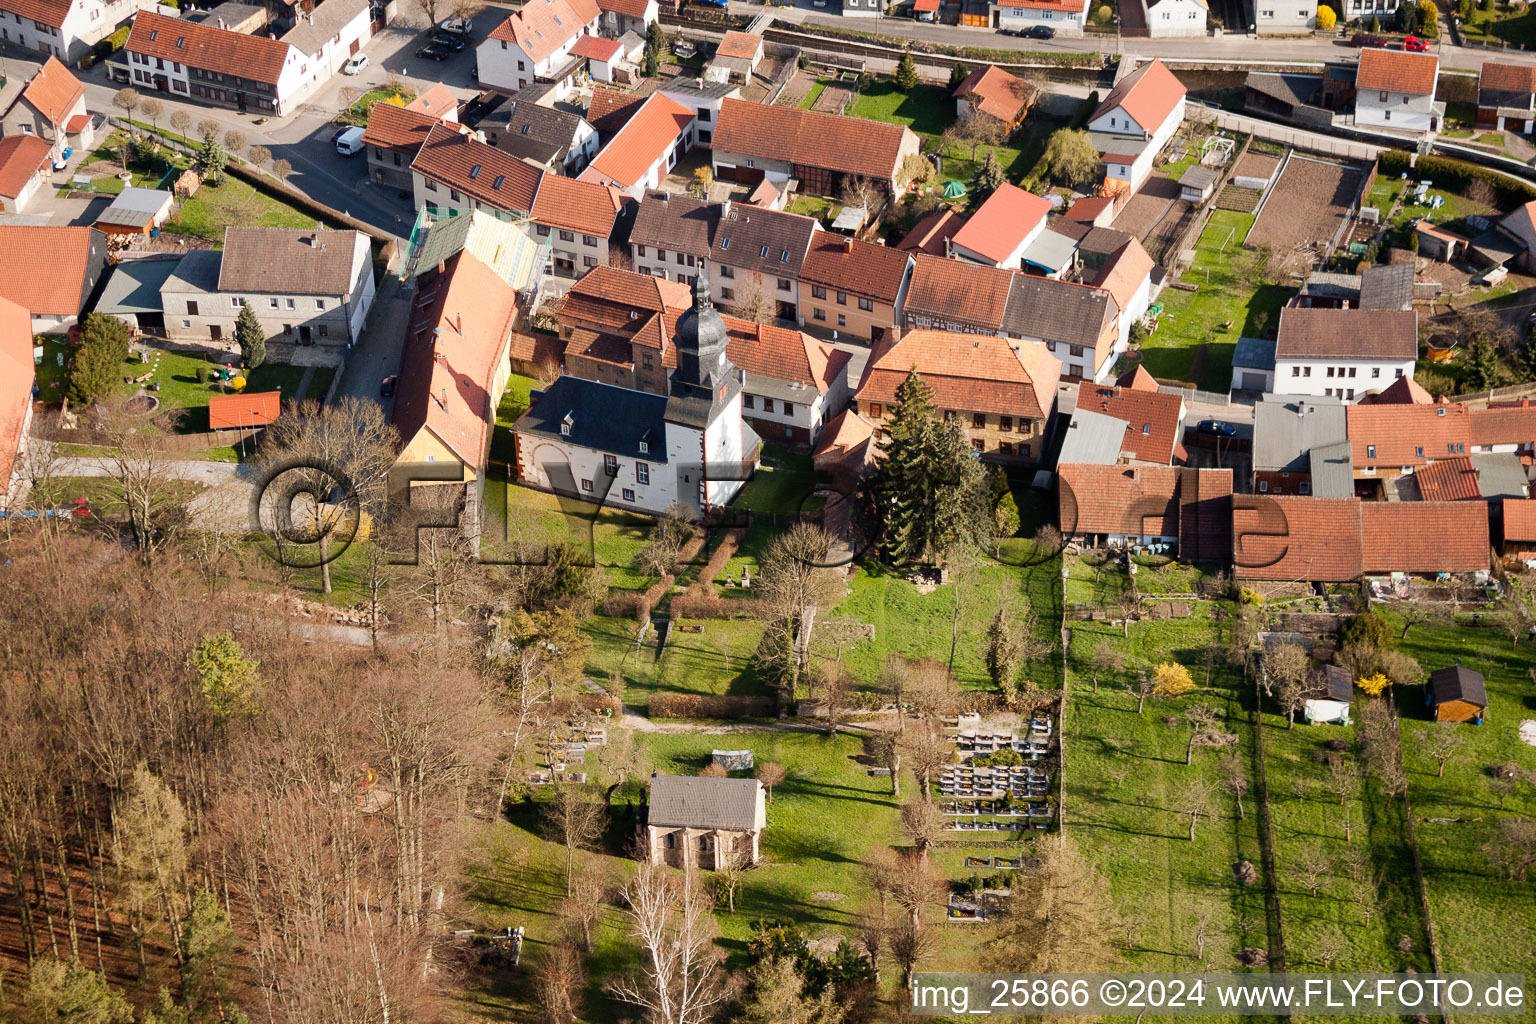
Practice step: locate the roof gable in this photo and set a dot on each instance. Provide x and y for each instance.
(288, 262)
(53, 91)
(851, 145)
(1002, 223)
(1149, 94)
(395, 127)
(1398, 71)
(541, 27)
(642, 141)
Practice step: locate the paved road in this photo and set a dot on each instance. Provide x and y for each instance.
(378, 350)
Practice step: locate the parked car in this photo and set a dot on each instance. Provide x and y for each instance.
(1413, 44)
(434, 51)
(1365, 39)
(1216, 427)
(387, 386)
(339, 132)
(355, 65)
(350, 142)
(458, 26)
(1040, 32)
(452, 42)
(718, 3)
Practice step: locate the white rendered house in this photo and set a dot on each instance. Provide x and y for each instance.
(1344, 353)
(1176, 19)
(65, 28)
(1135, 122)
(535, 43)
(1395, 89)
(1066, 17)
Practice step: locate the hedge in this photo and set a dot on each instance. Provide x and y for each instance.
(1456, 175)
(696, 705)
(622, 604)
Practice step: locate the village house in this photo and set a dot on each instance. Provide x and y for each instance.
(641, 450)
(618, 328)
(1344, 352)
(1001, 391)
(1134, 123)
(17, 376)
(306, 287)
(1396, 89)
(1064, 17)
(737, 57)
(51, 272)
(853, 288)
(579, 220)
(1002, 228)
(454, 172)
(1506, 97)
(1339, 540)
(1116, 262)
(621, 16)
(545, 136)
(25, 166)
(1126, 422)
(66, 29)
(1171, 509)
(1179, 19)
(756, 256)
(1389, 441)
(704, 822)
(640, 156)
(453, 370)
(216, 66)
(534, 43)
(52, 107)
(822, 151)
(330, 34)
(393, 138)
(602, 55)
(997, 94)
(1289, 433)
(1281, 19)
(704, 98)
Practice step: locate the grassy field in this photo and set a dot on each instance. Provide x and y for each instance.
(1229, 292)
(1124, 799)
(514, 402)
(813, 94)
(1465, 892)
(233, 203)
(717, 659)
(522, 515)
(926, 109)
(1503, 23)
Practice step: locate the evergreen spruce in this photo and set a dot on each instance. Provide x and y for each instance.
(957, 74)
(906, 73)
(251, 338)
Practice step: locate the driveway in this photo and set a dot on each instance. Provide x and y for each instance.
(377, 352)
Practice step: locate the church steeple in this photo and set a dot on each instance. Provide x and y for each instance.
(703, 368)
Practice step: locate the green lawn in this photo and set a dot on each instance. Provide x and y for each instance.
(514, 402)
(1465, 893)
(813, 94)
(820, 207)
(359, 111)
(927, 109)
(1502, 23)
(320, 383)
(1228, 291)
(233, 203)
(1124, 799)
(526, 516)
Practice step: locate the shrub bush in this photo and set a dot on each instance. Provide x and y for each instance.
(1326, 19)
(1458, 175)
(697, 705)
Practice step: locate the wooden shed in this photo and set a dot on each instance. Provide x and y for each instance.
(1457, 695)
(1331, 697)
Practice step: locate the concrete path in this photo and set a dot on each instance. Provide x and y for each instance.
(377, 352)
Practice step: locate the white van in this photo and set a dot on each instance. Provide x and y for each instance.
(350, 142)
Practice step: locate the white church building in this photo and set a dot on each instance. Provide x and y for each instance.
(637, 450)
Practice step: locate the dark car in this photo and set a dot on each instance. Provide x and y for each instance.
(1216, 427)
(1365, 39)
(453, 43)
(434, 52)
(338, 133)
(1040, 32)
(387, 386)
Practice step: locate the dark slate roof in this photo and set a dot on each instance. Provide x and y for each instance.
(1286, 428)
(698, 802)
(604, 418)
(1387, 287)
(1457, 683)
(1254, 353)
(533, 132)
(134, 286)
(1337, 684)
(1103, 240)
(1496, 246)
(1333, 470)
(771, 243)
(1058, 311)
(693, 88)
(1297, 90)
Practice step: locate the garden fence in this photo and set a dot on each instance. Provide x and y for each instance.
(1305, 140)
(1498, 394)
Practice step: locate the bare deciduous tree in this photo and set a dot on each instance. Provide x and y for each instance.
(1195, 801)
(1286, 671)
(1235, 778)
(673, 529)
(926, 750)
(234, 142)
(754, 300)
(1200, 718)
(574, 818)
(583, 908)
(770, 774)
(1512, 848)
(258, 156)
(916, 885)
(681, 980)
(922, 824)
(1107, 660)
(558, 981)
(1312, 867)
(1442, 742)
(795, 581)
(1060, 918)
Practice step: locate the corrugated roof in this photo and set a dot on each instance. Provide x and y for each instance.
(698, 802)
(1388, 286)
(1333, 471)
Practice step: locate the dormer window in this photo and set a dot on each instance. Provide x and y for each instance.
(764, 253)
(566, 424)
(645, 448)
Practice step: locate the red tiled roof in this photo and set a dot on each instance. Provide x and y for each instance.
(44, 268)
(597, 296)
(780, 353)
(1403, 391)
(997, 93)
(49, 12)
(53, 91)
(845, 434)
(575, 205)
(847, 264)
(851, 145)
(610, 110)
(1151, 418)
(16, 377)
(1448, 480)
(395, 127)
(1499, 77)
(541, 27)
(258, 58)
(1193, 505)
(961, 292)
(1088, 208)
(647, 136)
(967, 372)
(1338, 539)
(244, 410)
(463, 162)
(1137, 380)
(1002, 222)
(1423, 536)
(596, 48)
(1316, 332)
(1504, 424)
(1406, 435)
(1149, 94)
(21, 157)
(630, 8)
(1519, 519)
(77, 124)
(472, 311)
(437, 101)
(929, 234)
(1070, 6)
(740, 45)
(1397, 71)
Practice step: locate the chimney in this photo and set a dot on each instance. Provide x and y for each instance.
(847, 243)
(458, 323)
(313, 241)
(894, 335)
(698, 83)
(221, 23)
(725, 209)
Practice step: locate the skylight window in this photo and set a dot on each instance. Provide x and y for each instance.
(725, 243)
(180, 40)
(499, 179)
(474, 172)
(784, 256)
(526, 127)
(764, 253)
(154, 33)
